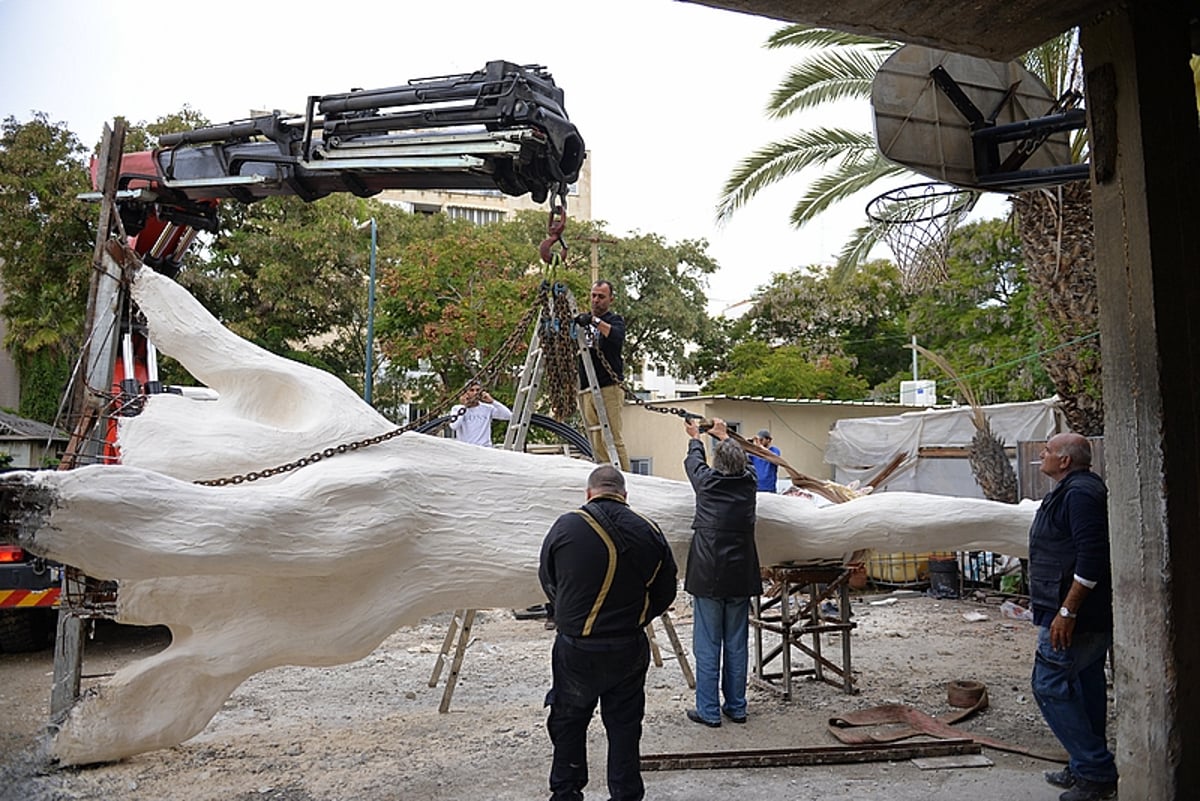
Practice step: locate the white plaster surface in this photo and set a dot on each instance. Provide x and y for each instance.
(318, 566)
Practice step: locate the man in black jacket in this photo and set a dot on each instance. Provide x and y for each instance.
(607, 330)
(722, 573)
(608, 571)
(1070, 590)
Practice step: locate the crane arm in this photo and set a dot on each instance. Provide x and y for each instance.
(503, 127)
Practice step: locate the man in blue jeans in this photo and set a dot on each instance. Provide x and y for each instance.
(1070, 587)
(722, 573)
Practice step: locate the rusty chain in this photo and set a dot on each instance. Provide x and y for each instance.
(633, 396)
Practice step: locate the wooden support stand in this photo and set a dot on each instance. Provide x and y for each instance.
(458, 637)
(819, 584)
(680, 655)
(460, 624)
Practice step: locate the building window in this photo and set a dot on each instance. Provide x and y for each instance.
(642, 467)
(477, 216)
(660, 370)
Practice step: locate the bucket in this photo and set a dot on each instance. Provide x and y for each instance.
(943, 577)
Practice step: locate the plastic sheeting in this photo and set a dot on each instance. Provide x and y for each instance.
(859, 448)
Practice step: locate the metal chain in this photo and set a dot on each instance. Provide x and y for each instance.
(633, 396)
(558, 346)
(489, 370)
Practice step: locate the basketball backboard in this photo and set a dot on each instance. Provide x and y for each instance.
(971, 122)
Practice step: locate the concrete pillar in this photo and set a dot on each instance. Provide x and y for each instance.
(1146, 184)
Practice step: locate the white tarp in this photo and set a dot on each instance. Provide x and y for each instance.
(859, 448)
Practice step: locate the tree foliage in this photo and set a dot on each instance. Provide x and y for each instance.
(980, 319)
(757, 369)
(46, 239)
(452, 293)
(861, 318)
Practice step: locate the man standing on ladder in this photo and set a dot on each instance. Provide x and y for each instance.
(607, 336)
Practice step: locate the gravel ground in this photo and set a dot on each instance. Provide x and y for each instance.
(371, 729)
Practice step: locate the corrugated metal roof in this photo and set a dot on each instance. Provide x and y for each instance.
(792, 401)
(13, 427)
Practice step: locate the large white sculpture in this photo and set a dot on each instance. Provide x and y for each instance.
(246, 576)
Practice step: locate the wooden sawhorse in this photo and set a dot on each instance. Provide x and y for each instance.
(820, 583)
(463, 619)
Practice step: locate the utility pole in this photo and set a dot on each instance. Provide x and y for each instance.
(595, 242)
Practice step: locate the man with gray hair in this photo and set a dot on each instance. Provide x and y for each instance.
(608, 571)
(722, 573)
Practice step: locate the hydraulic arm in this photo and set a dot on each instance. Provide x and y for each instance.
(503, 127)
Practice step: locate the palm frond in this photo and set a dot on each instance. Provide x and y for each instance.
(832, 188)
(820, 38)
(825, 78)
(779, 160)
(856, 251)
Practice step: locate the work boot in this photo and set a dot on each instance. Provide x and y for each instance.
(1061, 778)
(694, 717)
(1085, 790)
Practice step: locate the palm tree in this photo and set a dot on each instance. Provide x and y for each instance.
(838, 66)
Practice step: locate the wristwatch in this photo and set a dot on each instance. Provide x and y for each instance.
(1067, 613)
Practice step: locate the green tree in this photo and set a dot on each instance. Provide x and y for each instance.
(980, 319)
(46, 241)
(861, 318)
(450, 294)
(757, 369)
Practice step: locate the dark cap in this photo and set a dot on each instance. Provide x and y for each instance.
(764, 434)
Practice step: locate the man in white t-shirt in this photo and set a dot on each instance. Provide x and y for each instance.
(471, 419)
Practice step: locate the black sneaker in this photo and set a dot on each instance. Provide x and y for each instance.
(1085, 790)
(1061, 778)
(694, 717)
(734, 718)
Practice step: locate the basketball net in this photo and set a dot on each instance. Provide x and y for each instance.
(916, 222)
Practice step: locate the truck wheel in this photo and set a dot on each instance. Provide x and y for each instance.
(24, 630)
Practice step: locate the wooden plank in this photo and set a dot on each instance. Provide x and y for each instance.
(810, 755)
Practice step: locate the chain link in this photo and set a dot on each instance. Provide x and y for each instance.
(558, 348)
(633, 396)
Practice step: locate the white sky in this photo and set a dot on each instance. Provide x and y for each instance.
(668, 96)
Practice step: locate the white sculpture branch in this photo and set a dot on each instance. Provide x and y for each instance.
(395, 531)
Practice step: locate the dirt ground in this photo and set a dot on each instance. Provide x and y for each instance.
(371, 730)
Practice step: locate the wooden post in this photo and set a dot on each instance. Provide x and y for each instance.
(595, 242)
(99, 360)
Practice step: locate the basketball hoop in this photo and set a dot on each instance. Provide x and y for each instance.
(916, 222)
